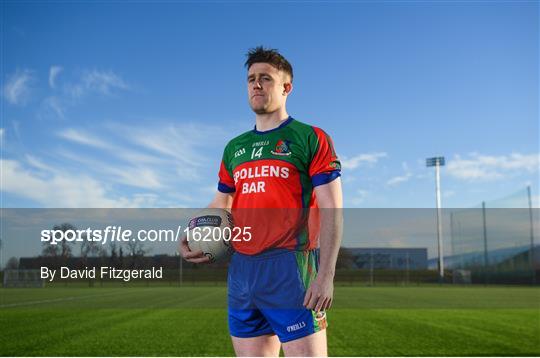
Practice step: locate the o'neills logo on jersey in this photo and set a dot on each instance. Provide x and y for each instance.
(262, 171)
(282, 148)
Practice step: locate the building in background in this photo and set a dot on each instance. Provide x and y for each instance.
(390, 258)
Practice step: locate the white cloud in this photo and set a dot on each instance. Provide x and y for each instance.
(136, 157)
(102, 167)
(398, 242)
(177, 146)
(84, 138)
(54, 105)
(140, 177)
(209, 189)
(361, 159)
(485, 167)
(132, 156)
(60, 190)
(348, 179)
(16, 128)
(190, 174)
(401, 178)
(17, 87)
(105, 83)
(95, 81)
(54, 71)
(132, 175)
(147, 158)
(156, 158)
(359, 197)
(184, 143)
(2, 131)
(38, 164)
(448, 193)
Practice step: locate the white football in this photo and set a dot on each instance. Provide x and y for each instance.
(210, 231)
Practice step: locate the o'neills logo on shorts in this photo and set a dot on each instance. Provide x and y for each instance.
(282, 148)
(296, 326)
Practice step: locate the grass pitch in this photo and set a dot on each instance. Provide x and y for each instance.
(192, 321)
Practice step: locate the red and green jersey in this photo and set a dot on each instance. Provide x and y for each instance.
(277, 169)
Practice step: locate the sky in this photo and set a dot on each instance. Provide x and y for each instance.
(130, 103)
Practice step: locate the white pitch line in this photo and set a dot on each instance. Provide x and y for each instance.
(70, 298)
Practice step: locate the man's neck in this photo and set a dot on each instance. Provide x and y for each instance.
(268, 121)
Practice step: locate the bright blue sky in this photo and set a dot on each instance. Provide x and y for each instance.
(131, 104)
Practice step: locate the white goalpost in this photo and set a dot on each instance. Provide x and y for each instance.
(23, 278)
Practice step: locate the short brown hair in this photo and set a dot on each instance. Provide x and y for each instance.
(271, 56)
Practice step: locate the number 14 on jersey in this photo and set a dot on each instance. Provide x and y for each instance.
(256, 152)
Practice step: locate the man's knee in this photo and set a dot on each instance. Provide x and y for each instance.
(313, 345)
(261, 346)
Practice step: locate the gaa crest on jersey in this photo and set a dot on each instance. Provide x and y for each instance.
(282, 148)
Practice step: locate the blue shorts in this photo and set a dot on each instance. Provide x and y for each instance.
(266, 294)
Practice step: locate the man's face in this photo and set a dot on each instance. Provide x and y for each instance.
(267, 88)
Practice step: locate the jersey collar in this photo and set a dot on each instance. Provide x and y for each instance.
(287, 121)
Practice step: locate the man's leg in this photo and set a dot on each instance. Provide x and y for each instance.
(262, 346)
(313, 345)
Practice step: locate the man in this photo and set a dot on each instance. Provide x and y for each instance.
(279, 283)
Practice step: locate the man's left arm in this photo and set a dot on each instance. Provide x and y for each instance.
(330, 201)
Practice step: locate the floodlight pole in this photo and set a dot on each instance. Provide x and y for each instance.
(437, 162)
(439, 223)
(531, 254)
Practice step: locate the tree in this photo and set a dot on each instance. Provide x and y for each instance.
(114, 255)
(89, 248)
(136, 248)
(50, 250)
(136, 251)
(121, 257)
(65, 246)
(12, 264)
(63, 249)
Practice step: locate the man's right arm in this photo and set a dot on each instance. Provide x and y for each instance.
(220, 201)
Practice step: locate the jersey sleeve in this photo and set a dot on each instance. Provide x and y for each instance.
(226, 181)
(325, 165)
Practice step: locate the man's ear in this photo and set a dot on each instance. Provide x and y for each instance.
(287, 88)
